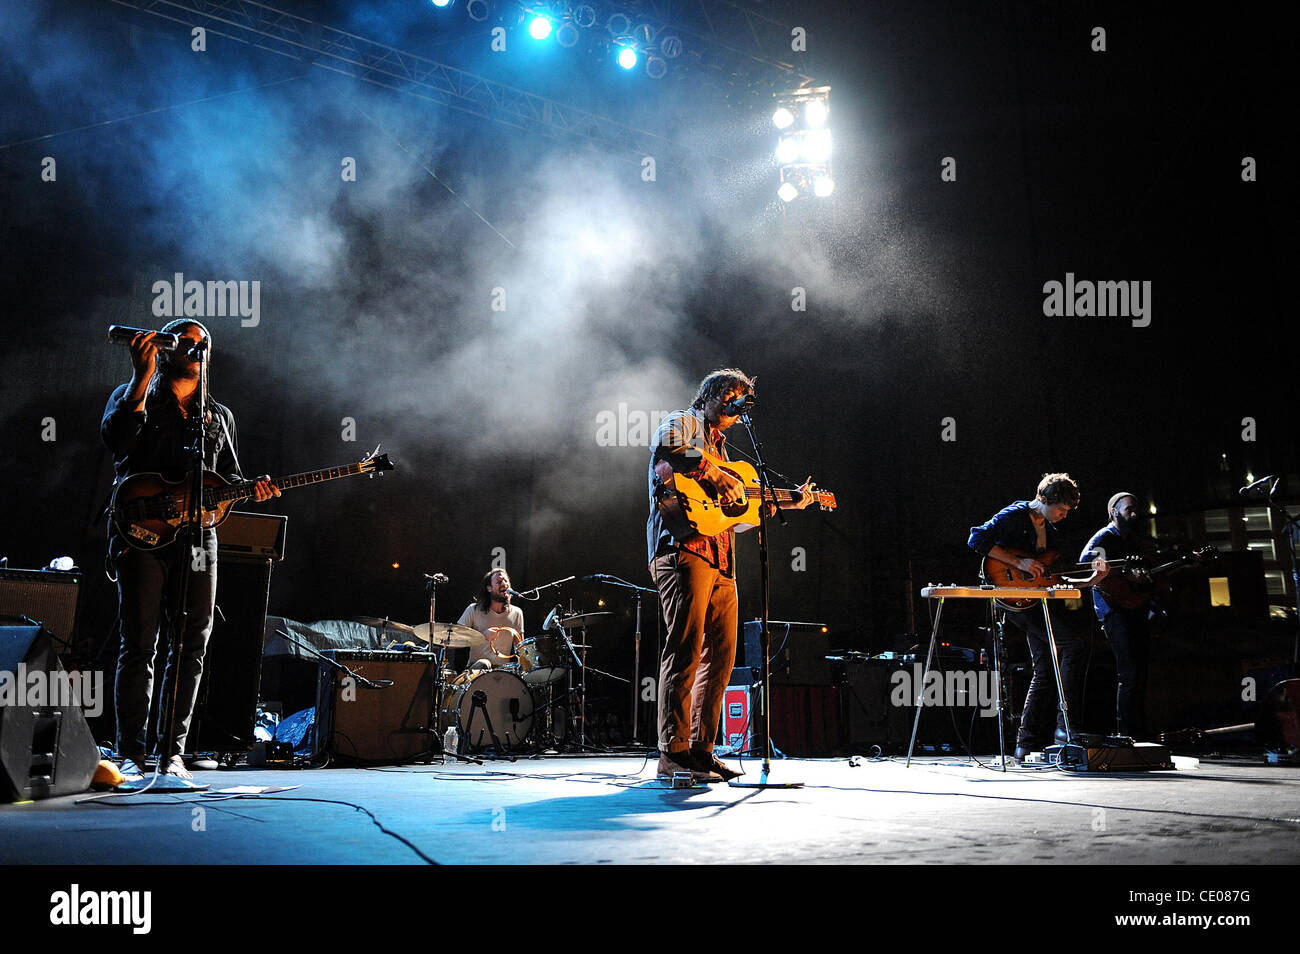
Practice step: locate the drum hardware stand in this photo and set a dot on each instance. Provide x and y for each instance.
(437, 659)
(479, 702)
(763, 724)
(636, 646)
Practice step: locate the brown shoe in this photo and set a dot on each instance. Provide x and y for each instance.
(670, 763)
(708, 762)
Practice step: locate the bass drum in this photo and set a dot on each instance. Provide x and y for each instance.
(506, 701)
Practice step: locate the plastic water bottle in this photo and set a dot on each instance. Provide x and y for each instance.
(451, 739)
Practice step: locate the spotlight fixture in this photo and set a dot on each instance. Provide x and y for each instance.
(803, 150)
(478, 10)
(566, 34)
(627, 57)
(618, 25)
(656, 67)
(670, 46)
(584, 15)
(539, 28)
(442, 3)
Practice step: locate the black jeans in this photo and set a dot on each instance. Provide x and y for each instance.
(1129, 633)
(147, 584)
(1036, 722)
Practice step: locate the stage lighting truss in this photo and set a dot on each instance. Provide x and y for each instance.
(803, 148)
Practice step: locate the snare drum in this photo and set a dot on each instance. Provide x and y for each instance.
(508, 704)
(542, 660)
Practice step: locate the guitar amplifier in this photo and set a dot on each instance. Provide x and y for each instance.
(48, 597)
(379, 726)
(798, 652)
(252, 534)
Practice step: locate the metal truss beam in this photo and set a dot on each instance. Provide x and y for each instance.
(295, 37)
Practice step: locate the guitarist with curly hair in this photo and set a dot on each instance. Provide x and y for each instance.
(696, 575)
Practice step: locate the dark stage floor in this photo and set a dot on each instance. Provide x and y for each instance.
(612, 810)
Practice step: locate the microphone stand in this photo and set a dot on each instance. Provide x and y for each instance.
(636, 643)
(196, 451)
(764, 721)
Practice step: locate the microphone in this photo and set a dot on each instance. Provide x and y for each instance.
(516, 593)
(739, 406)
(1249, 488)
(597, 577)
(437, 577)
(165, 341)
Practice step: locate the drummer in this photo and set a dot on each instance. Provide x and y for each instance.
(494, 617)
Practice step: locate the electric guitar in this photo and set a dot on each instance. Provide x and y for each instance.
(691, 508)
(1126, 590)
(148, 509)
(999, 573)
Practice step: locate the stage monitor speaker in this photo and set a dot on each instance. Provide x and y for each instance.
(226, 711)
(798, 652)
(48, 597)
(382, 726)
(46, 748)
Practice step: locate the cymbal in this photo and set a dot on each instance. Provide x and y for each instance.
(387, 625)
(583, 619)
(450, 634)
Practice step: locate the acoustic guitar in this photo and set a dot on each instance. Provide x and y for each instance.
(691, 508)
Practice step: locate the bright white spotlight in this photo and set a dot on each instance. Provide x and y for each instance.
(817, 146)
(539, 28)
(441, 3)
(787, 192)
(823, 186)
(627, 57)
(814, 113)
(782, 118)
(787, 150)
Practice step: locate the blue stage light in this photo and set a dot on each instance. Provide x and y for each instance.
(539, 28)
(627, 57)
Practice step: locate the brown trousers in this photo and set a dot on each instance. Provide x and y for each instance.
(701, 614)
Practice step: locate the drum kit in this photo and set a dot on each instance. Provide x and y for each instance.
(524, 704)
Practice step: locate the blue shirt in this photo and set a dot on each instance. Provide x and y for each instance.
(1011, 527)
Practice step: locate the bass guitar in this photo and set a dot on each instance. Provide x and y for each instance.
(149, 509)
(691, 508)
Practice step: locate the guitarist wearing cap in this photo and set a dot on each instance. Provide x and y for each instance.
(695, 571)
(1128, 629)
(145, 426)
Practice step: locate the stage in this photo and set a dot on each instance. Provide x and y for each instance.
(612, 810)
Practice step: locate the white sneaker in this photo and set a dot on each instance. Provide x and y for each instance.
(132, 771)
(176, 766)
